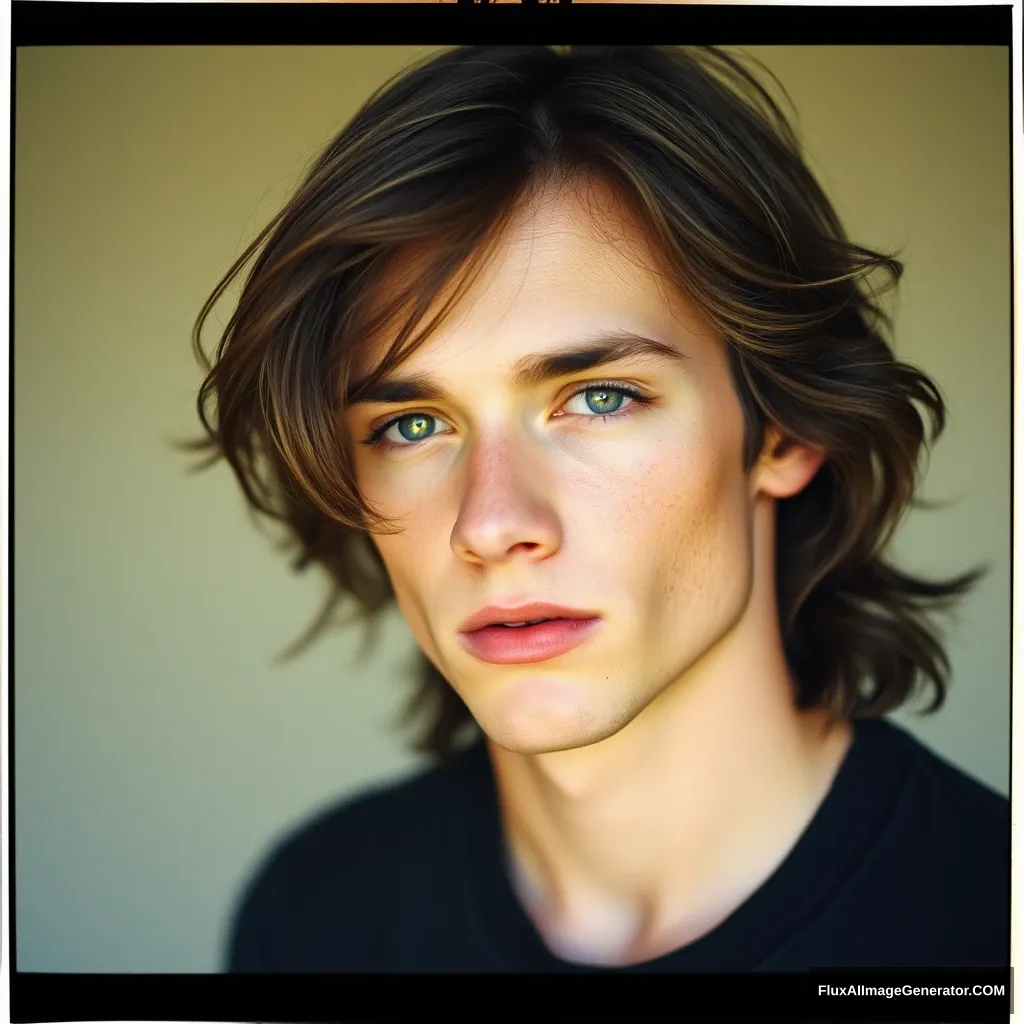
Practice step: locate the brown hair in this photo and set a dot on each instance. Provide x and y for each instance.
(440, 157)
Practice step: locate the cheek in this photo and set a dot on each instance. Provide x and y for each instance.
(406, 487)
(407, 561)
(409, 496)
(704, 550)
(685, 512)
(415, 588)
(663, 492)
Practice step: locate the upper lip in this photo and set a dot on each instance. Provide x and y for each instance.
(496, 614)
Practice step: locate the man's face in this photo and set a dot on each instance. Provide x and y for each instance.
(615, 491)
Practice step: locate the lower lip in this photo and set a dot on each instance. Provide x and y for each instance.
(515, 645)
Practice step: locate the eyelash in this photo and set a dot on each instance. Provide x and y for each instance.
(638, 400)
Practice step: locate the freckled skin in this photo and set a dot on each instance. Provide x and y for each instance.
(644, 518)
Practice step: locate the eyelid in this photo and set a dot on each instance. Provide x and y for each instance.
(633, 390)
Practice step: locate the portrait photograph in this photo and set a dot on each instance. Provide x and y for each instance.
(510, 508)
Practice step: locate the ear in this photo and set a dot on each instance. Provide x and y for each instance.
(786, 466)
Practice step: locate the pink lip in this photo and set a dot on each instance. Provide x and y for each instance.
(526, 611)
(504, 645)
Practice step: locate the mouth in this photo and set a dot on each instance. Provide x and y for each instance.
(529, 633)
(519, 625)
(522, 615)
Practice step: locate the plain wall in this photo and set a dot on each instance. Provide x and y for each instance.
(157, 749)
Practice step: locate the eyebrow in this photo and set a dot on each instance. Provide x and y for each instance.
(529, 371)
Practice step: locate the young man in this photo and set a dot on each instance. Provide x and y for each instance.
(566, 353)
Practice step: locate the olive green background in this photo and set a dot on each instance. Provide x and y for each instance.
(157, 749)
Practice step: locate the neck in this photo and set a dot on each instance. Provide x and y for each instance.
(639, 844)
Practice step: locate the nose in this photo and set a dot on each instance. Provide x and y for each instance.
(507, 508)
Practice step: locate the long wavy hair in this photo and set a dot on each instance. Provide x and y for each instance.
(439, 158)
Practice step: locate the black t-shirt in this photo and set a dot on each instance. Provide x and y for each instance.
(905, 864)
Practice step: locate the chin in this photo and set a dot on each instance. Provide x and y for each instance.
(539, 726)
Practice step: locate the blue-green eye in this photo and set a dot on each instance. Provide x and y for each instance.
(604, 400)
(600, 400)
(416, 426)
(596, 400)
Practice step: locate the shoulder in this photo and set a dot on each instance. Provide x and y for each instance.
(948, 823)
(946, 794)
(324, 887)
(940, 874)
(918, 853)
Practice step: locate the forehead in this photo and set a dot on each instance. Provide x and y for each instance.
(570, 261)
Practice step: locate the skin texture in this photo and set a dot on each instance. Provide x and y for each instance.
(653, 777)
